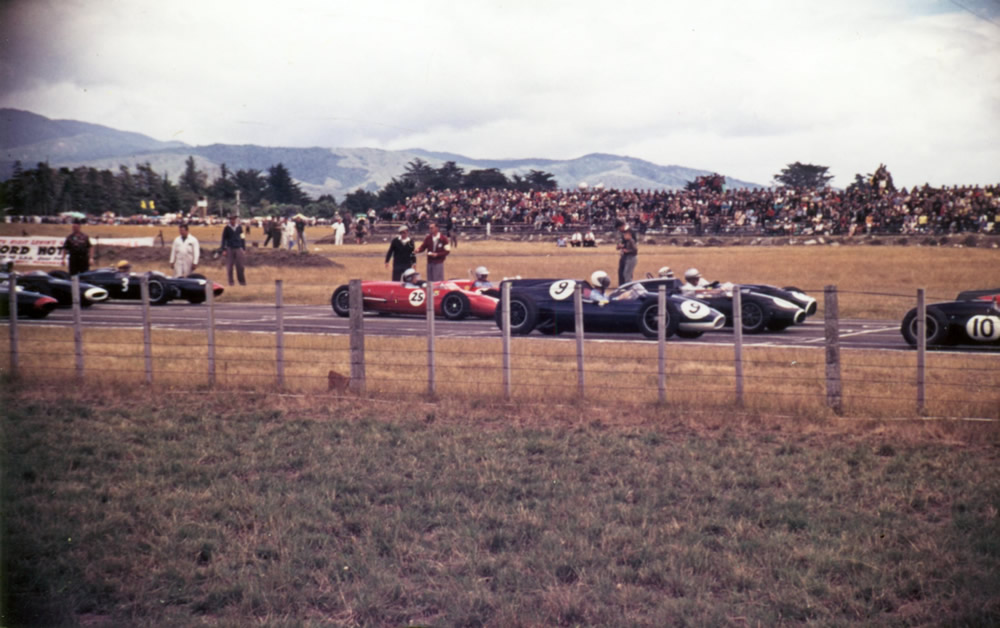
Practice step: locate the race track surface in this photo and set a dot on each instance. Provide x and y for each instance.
(320, 319)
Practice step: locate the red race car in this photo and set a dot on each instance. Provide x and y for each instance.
(454, 299)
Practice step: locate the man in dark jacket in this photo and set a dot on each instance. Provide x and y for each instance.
(234, 248)
(401, 253)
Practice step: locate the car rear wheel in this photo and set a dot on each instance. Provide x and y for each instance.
(755, 319)
(341, 301)
(159, 293)
(455, 306)
(523, 315)
(935, 327)
(649, 318)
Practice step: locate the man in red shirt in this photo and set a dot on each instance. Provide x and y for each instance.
(437, 247)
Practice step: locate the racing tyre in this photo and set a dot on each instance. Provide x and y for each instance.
(341, 301)
(523, 315)
(648, 319)
(455, 306)
(159, 293)
(755, 319)
(689, 335)
(935, 326)
(60, 274)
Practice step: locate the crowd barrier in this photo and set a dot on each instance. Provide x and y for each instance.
(576, 369)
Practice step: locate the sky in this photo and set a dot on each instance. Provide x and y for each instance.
(742, 88)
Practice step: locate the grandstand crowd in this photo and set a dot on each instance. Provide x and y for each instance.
(767, 211)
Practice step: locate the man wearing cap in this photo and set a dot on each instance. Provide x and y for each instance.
(184, 253)
(437, 247)
(234, 249)
(401, 253)
(77, 245)
(693, 282)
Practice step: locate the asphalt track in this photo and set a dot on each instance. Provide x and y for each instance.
(320, 319)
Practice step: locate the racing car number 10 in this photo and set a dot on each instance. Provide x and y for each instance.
(984, 328)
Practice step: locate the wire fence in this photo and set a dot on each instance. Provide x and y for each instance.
(806, 380)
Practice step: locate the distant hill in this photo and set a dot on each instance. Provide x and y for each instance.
(31, 138)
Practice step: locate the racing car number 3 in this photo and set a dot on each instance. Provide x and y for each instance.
(983, 328)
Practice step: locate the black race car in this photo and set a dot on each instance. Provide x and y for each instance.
(547, 305)
(59, 289)
(763, 306)
(29, 304)
(162, 289)
(973, 318)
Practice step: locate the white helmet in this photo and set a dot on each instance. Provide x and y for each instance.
(410, 275)
(600, 279)
(666, 272)
(481, 273)
(691, 273)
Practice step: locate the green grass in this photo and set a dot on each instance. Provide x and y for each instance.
(237, 509)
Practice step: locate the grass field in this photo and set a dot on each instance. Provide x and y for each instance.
(240, 509)
(177, 505)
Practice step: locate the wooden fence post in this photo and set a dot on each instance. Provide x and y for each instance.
(431, 374)
(356, 301)
(921, 351)
(834, 391)
(505, 335)
(77, 327)
(12, 305)
(279, 331)
(578, 323)
(147, 331)
(661, 342)
(210, 332)
(738, 342)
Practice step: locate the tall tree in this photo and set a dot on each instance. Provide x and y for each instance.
(486, 179)
(540, 180)
(251, 184)
(281, 188)
(193, 183)
(799, 175)
(420, 174)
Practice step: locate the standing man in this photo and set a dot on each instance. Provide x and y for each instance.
(184, 253)
(338, 231)
(437, 248)
(77, 244)
(234, 249)
(300, 233)
(628, 253)
(401, 253)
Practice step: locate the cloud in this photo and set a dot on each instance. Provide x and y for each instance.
(743, 88)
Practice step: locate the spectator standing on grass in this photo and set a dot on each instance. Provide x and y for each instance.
(184, 253)
(360, 231)
(300, 233)
(234, 250)
(628, 253)
(437, 248)
(288, 233)
(401, 252)
(338, 231)
(77, 246)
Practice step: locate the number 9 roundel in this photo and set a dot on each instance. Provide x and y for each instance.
(562, 289)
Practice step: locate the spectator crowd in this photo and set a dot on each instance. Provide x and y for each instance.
(767, 211)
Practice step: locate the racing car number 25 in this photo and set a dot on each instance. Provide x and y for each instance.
(417, 298)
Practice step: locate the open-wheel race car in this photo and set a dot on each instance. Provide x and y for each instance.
(59, 289)
(972, 318)
(162, 289)
(547, 305)
(454, 299)
(763, 307)
(29, 304)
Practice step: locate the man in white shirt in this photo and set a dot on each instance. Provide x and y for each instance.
(338, 231)
(184, 253)
(693, 283)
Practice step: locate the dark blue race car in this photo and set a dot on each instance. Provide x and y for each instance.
(972, 318)
(162, 289)
(547, 305)
(58, 288)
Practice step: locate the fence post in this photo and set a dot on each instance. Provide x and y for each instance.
(921, 351)
(738, 342)
(279, 331)
(834, 392)
(431, 375)
(355, 298)
(147, 333)
(12, 305)
(661, 342)
(210, 332)
(578, 326)
(505, 335)
(77, 327)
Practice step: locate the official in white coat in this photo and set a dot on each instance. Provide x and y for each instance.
(184, 253)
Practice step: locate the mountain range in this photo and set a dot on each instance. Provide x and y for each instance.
(30, 139)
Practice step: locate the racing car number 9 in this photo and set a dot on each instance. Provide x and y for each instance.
(563, 289)
(417, 298)
(983, 328)
(694, 310)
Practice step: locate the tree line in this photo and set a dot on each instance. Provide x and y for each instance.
(48, 191)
